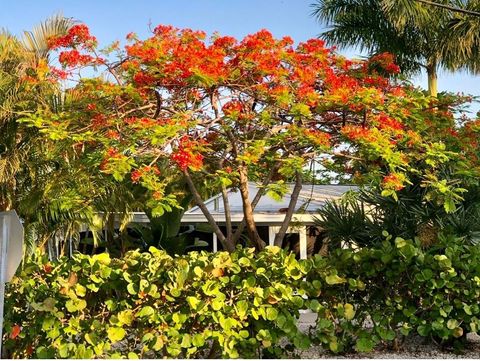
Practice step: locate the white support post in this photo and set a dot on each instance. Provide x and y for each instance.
(272, 231)
(302, 234)
(215, 242)
(4, 220)
(11, 253)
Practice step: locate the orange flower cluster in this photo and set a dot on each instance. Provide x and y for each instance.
(235, 109)
(59, 73)
(73, 58)
(77, 35)
(137, 174)
(184, 58)
(388, 123)
(178, 55)
(354, 132)
(394, 181)
(385, 62)
(187, 155)
(318, 137)
(110, 154)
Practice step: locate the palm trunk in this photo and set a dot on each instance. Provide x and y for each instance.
(432, 78)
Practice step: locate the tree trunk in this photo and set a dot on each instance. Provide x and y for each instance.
(256, 199)
(291, 208)
(228, 216)
(432, 78)
(248, 211)
(227, 244)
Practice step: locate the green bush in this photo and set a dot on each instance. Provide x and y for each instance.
(153, 305)
(377, 295)
(242, 304)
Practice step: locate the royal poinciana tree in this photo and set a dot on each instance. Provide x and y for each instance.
(224, 112)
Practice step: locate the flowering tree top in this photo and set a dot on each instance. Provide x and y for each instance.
(258, 108)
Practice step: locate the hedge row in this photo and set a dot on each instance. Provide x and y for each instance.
(241, 304)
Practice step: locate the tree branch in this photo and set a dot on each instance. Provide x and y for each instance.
(228, 215)
(159, 104)
(291, 208)
(198, 200)
(448, 7)
(248, 210)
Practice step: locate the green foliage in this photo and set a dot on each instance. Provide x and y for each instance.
(398, 288)
(344, 221)
(241, 304)
(156, 306)
(361, 218)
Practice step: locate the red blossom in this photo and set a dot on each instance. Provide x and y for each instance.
(157, 195)
(99, 121)
(385, 62)
(143, 79)
(318, 137)
(16, 329)
(136, 175)
(113, 153)
(187, 155)
(59, 73)
(112, 134)
(233, 108)
(355, 133)
(47, 268)
(386, 122)
(77, 35)
(73, 58)
(141, 172)
(394, 181)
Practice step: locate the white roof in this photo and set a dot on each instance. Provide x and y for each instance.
(269, 210)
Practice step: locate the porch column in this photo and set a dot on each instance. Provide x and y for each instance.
(215, 243)
(272, 231)
(302, 234)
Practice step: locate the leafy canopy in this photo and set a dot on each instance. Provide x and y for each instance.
(178, 103)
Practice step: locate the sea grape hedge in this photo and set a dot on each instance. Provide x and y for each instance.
(241, 304)
(398, 289)
(153, 305)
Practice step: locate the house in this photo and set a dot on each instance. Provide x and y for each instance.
(303, 237)
(269, 214)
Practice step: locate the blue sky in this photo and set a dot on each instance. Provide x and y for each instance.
(112, 20)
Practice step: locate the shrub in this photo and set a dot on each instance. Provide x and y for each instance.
(242, 304)
(153, 305)
(376, 295)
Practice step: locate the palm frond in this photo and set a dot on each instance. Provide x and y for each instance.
(36, 40)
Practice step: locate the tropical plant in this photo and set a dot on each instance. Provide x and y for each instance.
(344, 223)
(24, 165)
(152, 305)
(242, 304)
(363, 218)
(422, 36)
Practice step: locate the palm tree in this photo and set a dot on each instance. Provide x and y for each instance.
(421, 35)
(23, 165)
(18, 59)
